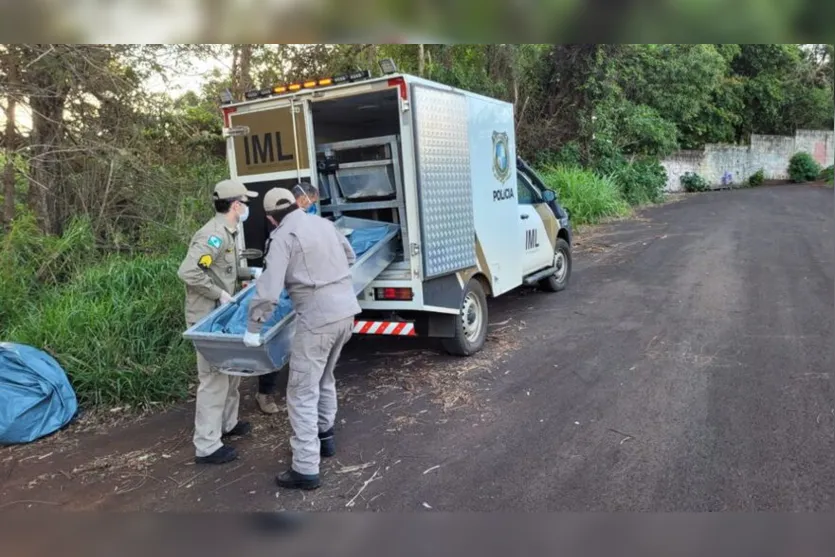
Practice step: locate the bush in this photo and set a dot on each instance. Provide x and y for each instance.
(116, 328)
(568, 155)
(642, 182)
(803, 168)
(587, 196)
(757, 178)
(827, 175)
(32, 262)
(692, 183)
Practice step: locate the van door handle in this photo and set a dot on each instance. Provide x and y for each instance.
(524, 217)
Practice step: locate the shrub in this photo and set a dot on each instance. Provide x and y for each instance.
(827, 175)
(568, 155)
(31, 262)
(803, 168)
(116, 328)
(692, 182)
(757, 178)
(642, 182)
(587, 196)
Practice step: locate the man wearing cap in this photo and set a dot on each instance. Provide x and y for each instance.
(310, 258)
(211, 272)
(306, 197)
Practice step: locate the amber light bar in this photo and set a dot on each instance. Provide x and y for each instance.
(309, 84)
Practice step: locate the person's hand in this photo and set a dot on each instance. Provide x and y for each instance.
(225, 298)
(252, 340)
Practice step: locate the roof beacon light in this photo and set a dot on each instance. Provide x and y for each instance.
(387, 66)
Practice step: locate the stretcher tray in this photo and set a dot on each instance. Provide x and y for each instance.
(229, 354)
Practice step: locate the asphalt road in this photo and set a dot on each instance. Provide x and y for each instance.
(688, 367)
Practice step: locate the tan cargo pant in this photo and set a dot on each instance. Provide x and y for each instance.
(311, 389)
(216, 409)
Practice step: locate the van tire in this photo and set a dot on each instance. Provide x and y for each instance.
(559, 280)
(471, 323)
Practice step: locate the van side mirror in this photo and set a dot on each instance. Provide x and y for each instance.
(549, 196)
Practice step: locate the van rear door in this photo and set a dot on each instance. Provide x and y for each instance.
(276, 145)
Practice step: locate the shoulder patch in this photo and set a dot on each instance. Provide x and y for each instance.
(215, 242)
(205, 261)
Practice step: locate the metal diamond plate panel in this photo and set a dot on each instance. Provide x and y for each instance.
(444, 188)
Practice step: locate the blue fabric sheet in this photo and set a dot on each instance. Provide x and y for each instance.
(36, 397)
(236, 323)
(361, 240)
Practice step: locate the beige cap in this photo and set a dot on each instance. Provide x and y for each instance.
(277, 199)
(232, 189)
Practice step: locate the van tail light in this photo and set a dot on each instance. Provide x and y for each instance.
(394, 294)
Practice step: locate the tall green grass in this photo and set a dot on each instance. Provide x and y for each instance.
(587, 196)
(827, 175)
(31, 263)
(115, 328)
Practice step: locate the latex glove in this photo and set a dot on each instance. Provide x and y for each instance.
(256, 272)
(252, 340)
(225, 298)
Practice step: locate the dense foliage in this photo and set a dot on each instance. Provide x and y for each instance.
(803, 168)
(104, 177)
(757, 178)
(588, 197)
(693, 183)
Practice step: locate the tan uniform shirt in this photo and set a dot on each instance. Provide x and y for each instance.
(311, 258)
(210, 267)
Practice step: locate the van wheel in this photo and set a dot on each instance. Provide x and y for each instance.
(562, 261)
(471, 323)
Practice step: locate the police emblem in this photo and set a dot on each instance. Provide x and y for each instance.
(501, 157)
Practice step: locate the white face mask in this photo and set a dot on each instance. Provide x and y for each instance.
(246, 213)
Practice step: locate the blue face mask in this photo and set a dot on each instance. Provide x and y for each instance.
(311, 210)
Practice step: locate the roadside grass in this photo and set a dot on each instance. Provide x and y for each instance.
(827, 175)
(115, 328)
(588, 197)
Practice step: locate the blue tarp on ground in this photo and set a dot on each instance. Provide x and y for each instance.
(36, 397)
(361, 239)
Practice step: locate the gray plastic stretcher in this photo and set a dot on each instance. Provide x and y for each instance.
(229, 354)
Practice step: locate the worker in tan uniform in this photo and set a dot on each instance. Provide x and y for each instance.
(310, 258)
(306, 197)
(211, 272)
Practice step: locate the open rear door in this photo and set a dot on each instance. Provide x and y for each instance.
(442, 152)
(269, 149)
(276, 145)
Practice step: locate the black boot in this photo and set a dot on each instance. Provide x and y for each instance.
(221, 456)
(240, 429)
(293, 480)
(327, 445)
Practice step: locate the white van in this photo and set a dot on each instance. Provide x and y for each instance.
(475, 221)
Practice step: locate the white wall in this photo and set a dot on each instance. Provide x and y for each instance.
(720, 164)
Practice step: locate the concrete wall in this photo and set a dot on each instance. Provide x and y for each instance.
(733, 164)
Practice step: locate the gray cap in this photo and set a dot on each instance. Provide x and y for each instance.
(277, 199)
(232, 189)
